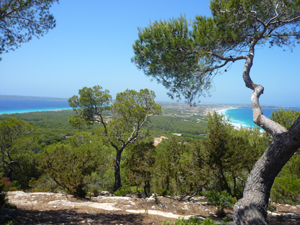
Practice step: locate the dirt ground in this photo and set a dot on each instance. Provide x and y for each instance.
(56, 208)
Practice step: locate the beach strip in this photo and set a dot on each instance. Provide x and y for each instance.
(2, 112)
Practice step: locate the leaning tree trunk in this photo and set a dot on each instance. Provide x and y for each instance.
(252, 208)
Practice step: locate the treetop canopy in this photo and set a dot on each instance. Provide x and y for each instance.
(185, 56)
(22, 19)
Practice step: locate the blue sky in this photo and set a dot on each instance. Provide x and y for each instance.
(92, 45)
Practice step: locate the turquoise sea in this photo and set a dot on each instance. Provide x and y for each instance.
(237, 116)
(242, 117)
(9, 106)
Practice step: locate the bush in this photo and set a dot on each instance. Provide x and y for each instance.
(194, 221)
(69, 167)
(285, 189)
(220, 199)
(43, 184)
(9, 223)
(272, 208)
(25, 170)
(102, 180)
(140, 166)
(122, 191)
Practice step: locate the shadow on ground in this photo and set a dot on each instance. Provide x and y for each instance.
(69, 216)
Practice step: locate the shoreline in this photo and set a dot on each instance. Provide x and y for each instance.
(218, 109)
(12, 112)
(222, 111)
(237, 124)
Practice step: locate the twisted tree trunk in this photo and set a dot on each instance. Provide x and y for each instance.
(252, 208)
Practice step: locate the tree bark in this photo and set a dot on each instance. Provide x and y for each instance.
(252, 208)
(117, 184)
(9, 173)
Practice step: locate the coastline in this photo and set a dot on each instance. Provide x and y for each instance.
(227, 117)
(11, 112)
(14, 106)
(238, 123)
(222, 110)
(217, 109)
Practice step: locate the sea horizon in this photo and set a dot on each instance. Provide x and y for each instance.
(33, 110)
(14, 106)
(240, 116)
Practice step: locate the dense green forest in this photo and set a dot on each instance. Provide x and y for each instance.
(210, 157)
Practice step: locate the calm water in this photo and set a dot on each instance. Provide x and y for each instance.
(8, 106)
(243, 116)
(238, 117)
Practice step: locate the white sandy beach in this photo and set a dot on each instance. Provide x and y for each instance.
(217, 109)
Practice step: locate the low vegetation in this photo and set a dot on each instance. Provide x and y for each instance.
(214, 160)
(195, 221)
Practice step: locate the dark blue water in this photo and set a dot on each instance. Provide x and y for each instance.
(243, 117)
(8, 106)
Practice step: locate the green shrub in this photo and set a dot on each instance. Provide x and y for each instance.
(9, 223)
(140, 166)
(233, 200)
(95, 192)
(69, 167)
(285, 189)
(102, 180)
(43, 184)
(15, 186)
(272, 208)
(220, 199)
(122, 191)
(194, 221)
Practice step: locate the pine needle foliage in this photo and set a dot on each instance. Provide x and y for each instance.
(20, 20)
(186, 55)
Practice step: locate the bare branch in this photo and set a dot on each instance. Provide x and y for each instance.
(134, 136)
(283, 22)
(275, 17)
(231, 59)
(264, 122)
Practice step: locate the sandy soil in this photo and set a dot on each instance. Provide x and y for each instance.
(55, 208)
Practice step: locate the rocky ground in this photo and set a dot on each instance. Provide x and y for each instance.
(55, 208)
